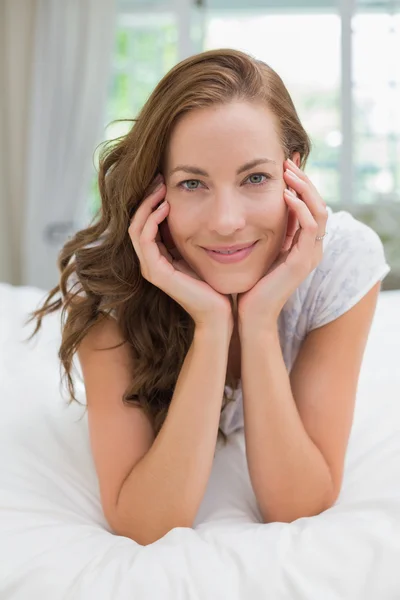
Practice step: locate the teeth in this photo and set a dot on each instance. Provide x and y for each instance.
(225, 251)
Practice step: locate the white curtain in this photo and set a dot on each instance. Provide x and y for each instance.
(16, 39)
(55, 66)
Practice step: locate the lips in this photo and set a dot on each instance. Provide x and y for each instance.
(233, 257)
(232, 248)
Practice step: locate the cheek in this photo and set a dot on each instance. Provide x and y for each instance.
(179, 227)
(183, 221)
(273, 215)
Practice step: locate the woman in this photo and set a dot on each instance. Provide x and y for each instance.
(273, 335)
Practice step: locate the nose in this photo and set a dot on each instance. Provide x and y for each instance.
(227, 213)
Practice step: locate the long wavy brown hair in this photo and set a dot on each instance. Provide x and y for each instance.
(101, 260)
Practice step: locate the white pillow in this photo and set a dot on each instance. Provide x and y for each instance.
(55, 542)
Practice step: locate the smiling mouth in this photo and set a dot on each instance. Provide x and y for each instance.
(231, 249)
(231, 257)
(228, 252)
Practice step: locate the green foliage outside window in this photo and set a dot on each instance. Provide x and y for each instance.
(142, 57)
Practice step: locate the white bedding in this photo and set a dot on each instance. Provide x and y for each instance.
(55, 543)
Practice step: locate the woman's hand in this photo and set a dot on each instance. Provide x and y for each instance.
(171, 274)
(299, 256)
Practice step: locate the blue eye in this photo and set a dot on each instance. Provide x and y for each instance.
(259, 175)
(185, 188)
(267, 177)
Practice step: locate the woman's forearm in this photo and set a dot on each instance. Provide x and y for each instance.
(165, 488)
(289, 475)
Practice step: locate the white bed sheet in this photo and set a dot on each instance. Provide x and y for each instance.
(54, 540)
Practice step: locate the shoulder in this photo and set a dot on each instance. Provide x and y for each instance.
(348, 237)
(353, 262)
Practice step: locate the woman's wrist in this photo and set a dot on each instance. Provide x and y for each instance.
(215, 331)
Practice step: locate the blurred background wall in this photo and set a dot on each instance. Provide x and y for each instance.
(69, 69)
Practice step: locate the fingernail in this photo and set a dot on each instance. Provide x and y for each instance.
(289, 194)
(291, 174)
(162, 205)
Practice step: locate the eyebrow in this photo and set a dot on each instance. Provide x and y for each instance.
(198, 171)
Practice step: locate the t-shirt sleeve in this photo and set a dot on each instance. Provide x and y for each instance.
(353, 262)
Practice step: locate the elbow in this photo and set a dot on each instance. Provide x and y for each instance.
(144, 534)
(287, 513)
(290, 516)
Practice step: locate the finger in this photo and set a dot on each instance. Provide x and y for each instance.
(293, 223)
(308, 197)
(145, 208)
(147, 248)
(144, 242)
(296, 237)
(291, 166)
(141, 215)
(293, 228)
(288, 243)
(306, 189)
(308, 225)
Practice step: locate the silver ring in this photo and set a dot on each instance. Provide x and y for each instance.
(321, 237)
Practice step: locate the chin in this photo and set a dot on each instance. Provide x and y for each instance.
(233, 284)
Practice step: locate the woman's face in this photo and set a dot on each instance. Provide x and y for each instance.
(222, 206)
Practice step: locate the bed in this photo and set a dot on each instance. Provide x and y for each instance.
(55, 543)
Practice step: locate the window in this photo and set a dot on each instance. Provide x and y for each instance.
(376, 93)
(306, 44)
(145, 49)
(287, 42)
